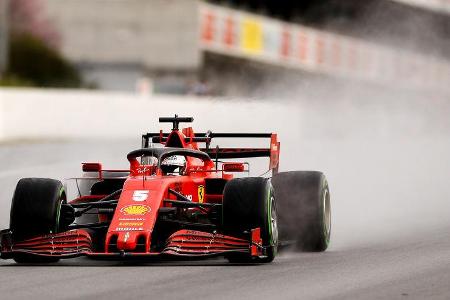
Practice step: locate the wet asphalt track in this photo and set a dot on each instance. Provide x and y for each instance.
(388, 166)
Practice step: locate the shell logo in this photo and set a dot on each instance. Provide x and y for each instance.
(135, 210)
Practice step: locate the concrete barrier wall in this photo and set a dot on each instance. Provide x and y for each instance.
(75, 114)
(54, 114)
(350, 138)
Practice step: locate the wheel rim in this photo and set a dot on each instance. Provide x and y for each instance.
(273, 221)
(327, 213)
(62, 198)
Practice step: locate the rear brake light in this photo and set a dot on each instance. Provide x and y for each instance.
(233, 167)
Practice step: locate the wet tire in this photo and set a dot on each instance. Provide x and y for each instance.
(249, 203)
(35, 211)
(304, 209)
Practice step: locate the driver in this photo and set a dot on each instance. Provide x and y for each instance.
(174, 165)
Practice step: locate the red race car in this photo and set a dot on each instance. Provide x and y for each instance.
(176, 201)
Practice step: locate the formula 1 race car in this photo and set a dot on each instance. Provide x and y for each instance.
(176, 201)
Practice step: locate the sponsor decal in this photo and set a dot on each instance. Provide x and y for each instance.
(201, 193)
(135, 210)
(252, 36)
(140, 196)
(131, 219)
(129, 229)
(131, 224)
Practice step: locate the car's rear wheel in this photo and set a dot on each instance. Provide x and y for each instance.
(304, 209)
(249, 203)
(35, 211)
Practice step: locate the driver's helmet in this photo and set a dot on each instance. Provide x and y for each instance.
(175, 164)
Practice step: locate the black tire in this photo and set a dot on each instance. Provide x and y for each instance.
(35, 211)
(249, 203)
(304, 210)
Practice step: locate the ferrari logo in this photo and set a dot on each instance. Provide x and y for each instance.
(201, 193)
(135, 210)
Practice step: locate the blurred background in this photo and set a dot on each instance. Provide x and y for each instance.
(222, 47)
(357, 89)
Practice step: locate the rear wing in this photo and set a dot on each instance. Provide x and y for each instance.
(273, 151)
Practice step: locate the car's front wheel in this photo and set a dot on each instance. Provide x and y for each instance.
(35, 211)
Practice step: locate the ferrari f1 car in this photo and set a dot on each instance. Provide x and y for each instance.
(176, 200)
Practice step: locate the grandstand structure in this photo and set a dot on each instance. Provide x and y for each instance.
(435, 5)
(121, 44)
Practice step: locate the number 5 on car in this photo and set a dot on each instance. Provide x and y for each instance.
(140, 196)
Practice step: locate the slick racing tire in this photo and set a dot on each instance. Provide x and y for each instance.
(304, 210)
(249, 203)
(35, 211)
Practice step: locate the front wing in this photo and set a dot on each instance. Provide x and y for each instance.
(189, 244)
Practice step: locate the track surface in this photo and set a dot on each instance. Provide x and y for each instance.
(388, 170)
